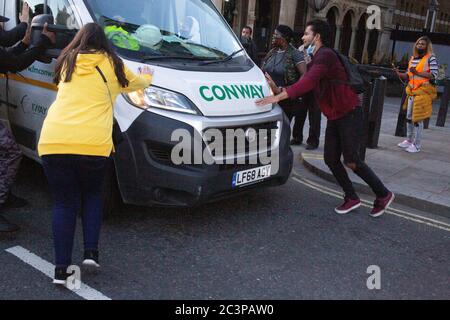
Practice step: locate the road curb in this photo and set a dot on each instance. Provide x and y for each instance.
(402, 199)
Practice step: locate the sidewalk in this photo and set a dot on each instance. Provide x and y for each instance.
(420, 180)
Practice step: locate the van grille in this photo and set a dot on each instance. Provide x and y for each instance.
(266, 135)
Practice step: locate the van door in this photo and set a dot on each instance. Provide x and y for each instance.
(31, 91)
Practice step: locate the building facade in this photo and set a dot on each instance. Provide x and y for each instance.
(348, 19)
(415, 15)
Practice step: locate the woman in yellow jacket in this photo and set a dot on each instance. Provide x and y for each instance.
(76, 138)
(420, 91)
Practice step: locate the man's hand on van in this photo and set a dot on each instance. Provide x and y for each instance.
(48, 34)
(24, 16)
(146, 70)
(266, 101)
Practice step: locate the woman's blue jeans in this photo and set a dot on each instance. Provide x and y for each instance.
(76, 183)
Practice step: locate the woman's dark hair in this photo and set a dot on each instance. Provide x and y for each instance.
(286, 32)
(323, 28)
(90, 38)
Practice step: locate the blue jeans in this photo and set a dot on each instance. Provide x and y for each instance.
(76, 182)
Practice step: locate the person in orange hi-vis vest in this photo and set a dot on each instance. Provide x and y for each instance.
(421, 91)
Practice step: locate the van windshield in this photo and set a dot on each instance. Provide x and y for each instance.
(166, 29)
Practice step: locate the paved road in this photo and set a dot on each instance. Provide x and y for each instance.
(278, 243)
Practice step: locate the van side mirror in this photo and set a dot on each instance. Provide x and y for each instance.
(63, 34)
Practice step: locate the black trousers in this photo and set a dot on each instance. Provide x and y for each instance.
(308, 108)
(342, 137)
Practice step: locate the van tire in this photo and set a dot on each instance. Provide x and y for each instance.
(112, 199)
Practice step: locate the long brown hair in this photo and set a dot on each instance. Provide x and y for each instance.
(90, 38)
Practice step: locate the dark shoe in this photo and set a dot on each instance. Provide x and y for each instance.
(348, 205)
(296, 142)
(6, 226)
(311, 147)
(15, 202)
(381, 204)
(91, 258)
(61, 275)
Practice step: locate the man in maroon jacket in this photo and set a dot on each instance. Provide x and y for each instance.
(342, 107)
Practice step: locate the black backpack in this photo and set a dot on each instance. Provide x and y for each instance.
(356, 80)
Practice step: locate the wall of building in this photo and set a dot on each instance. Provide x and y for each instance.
(412, 15)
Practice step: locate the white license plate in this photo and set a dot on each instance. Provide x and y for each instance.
(251, 176)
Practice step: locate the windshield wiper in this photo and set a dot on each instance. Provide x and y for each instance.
(193, 58)
(228, 58)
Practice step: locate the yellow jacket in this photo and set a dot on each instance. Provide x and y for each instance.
(423, 101)
(80, 120)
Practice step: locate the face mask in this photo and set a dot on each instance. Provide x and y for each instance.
(311, 49)
(421, 51)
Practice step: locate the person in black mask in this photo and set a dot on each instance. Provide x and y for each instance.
(15, 59)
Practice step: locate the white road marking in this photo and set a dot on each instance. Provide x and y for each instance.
(367, 204)
(48, 269)
(370, 203)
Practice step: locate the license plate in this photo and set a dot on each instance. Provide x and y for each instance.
(251, 176)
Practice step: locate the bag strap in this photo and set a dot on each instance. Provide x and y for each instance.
(117, 138)
(106, 84)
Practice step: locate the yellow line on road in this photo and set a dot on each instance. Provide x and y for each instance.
(396, 212)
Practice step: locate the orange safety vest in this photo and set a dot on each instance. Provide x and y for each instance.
(416, 81)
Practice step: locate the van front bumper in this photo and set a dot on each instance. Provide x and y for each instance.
(147, 176)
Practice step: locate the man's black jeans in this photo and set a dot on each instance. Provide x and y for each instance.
(342, 137)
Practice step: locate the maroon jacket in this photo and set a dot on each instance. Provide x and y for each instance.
(335, 99)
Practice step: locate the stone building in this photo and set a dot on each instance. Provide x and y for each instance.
(347, 18)
(414, 15)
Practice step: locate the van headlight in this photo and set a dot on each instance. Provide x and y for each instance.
(155, 97)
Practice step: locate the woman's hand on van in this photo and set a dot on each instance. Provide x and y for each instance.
(146, 70)
(269, 80)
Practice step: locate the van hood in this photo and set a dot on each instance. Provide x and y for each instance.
(215, 94)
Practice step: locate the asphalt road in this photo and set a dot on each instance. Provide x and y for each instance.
(277, 243)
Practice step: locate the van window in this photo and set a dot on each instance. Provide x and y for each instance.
(166, 28)
(60, 9)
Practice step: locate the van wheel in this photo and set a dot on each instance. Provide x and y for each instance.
(112, 200)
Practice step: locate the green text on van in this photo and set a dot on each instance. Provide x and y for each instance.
(231, 92)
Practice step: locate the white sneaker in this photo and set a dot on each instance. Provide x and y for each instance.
(412, 149)
(405, 144)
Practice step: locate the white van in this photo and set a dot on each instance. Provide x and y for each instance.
(203, 80)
